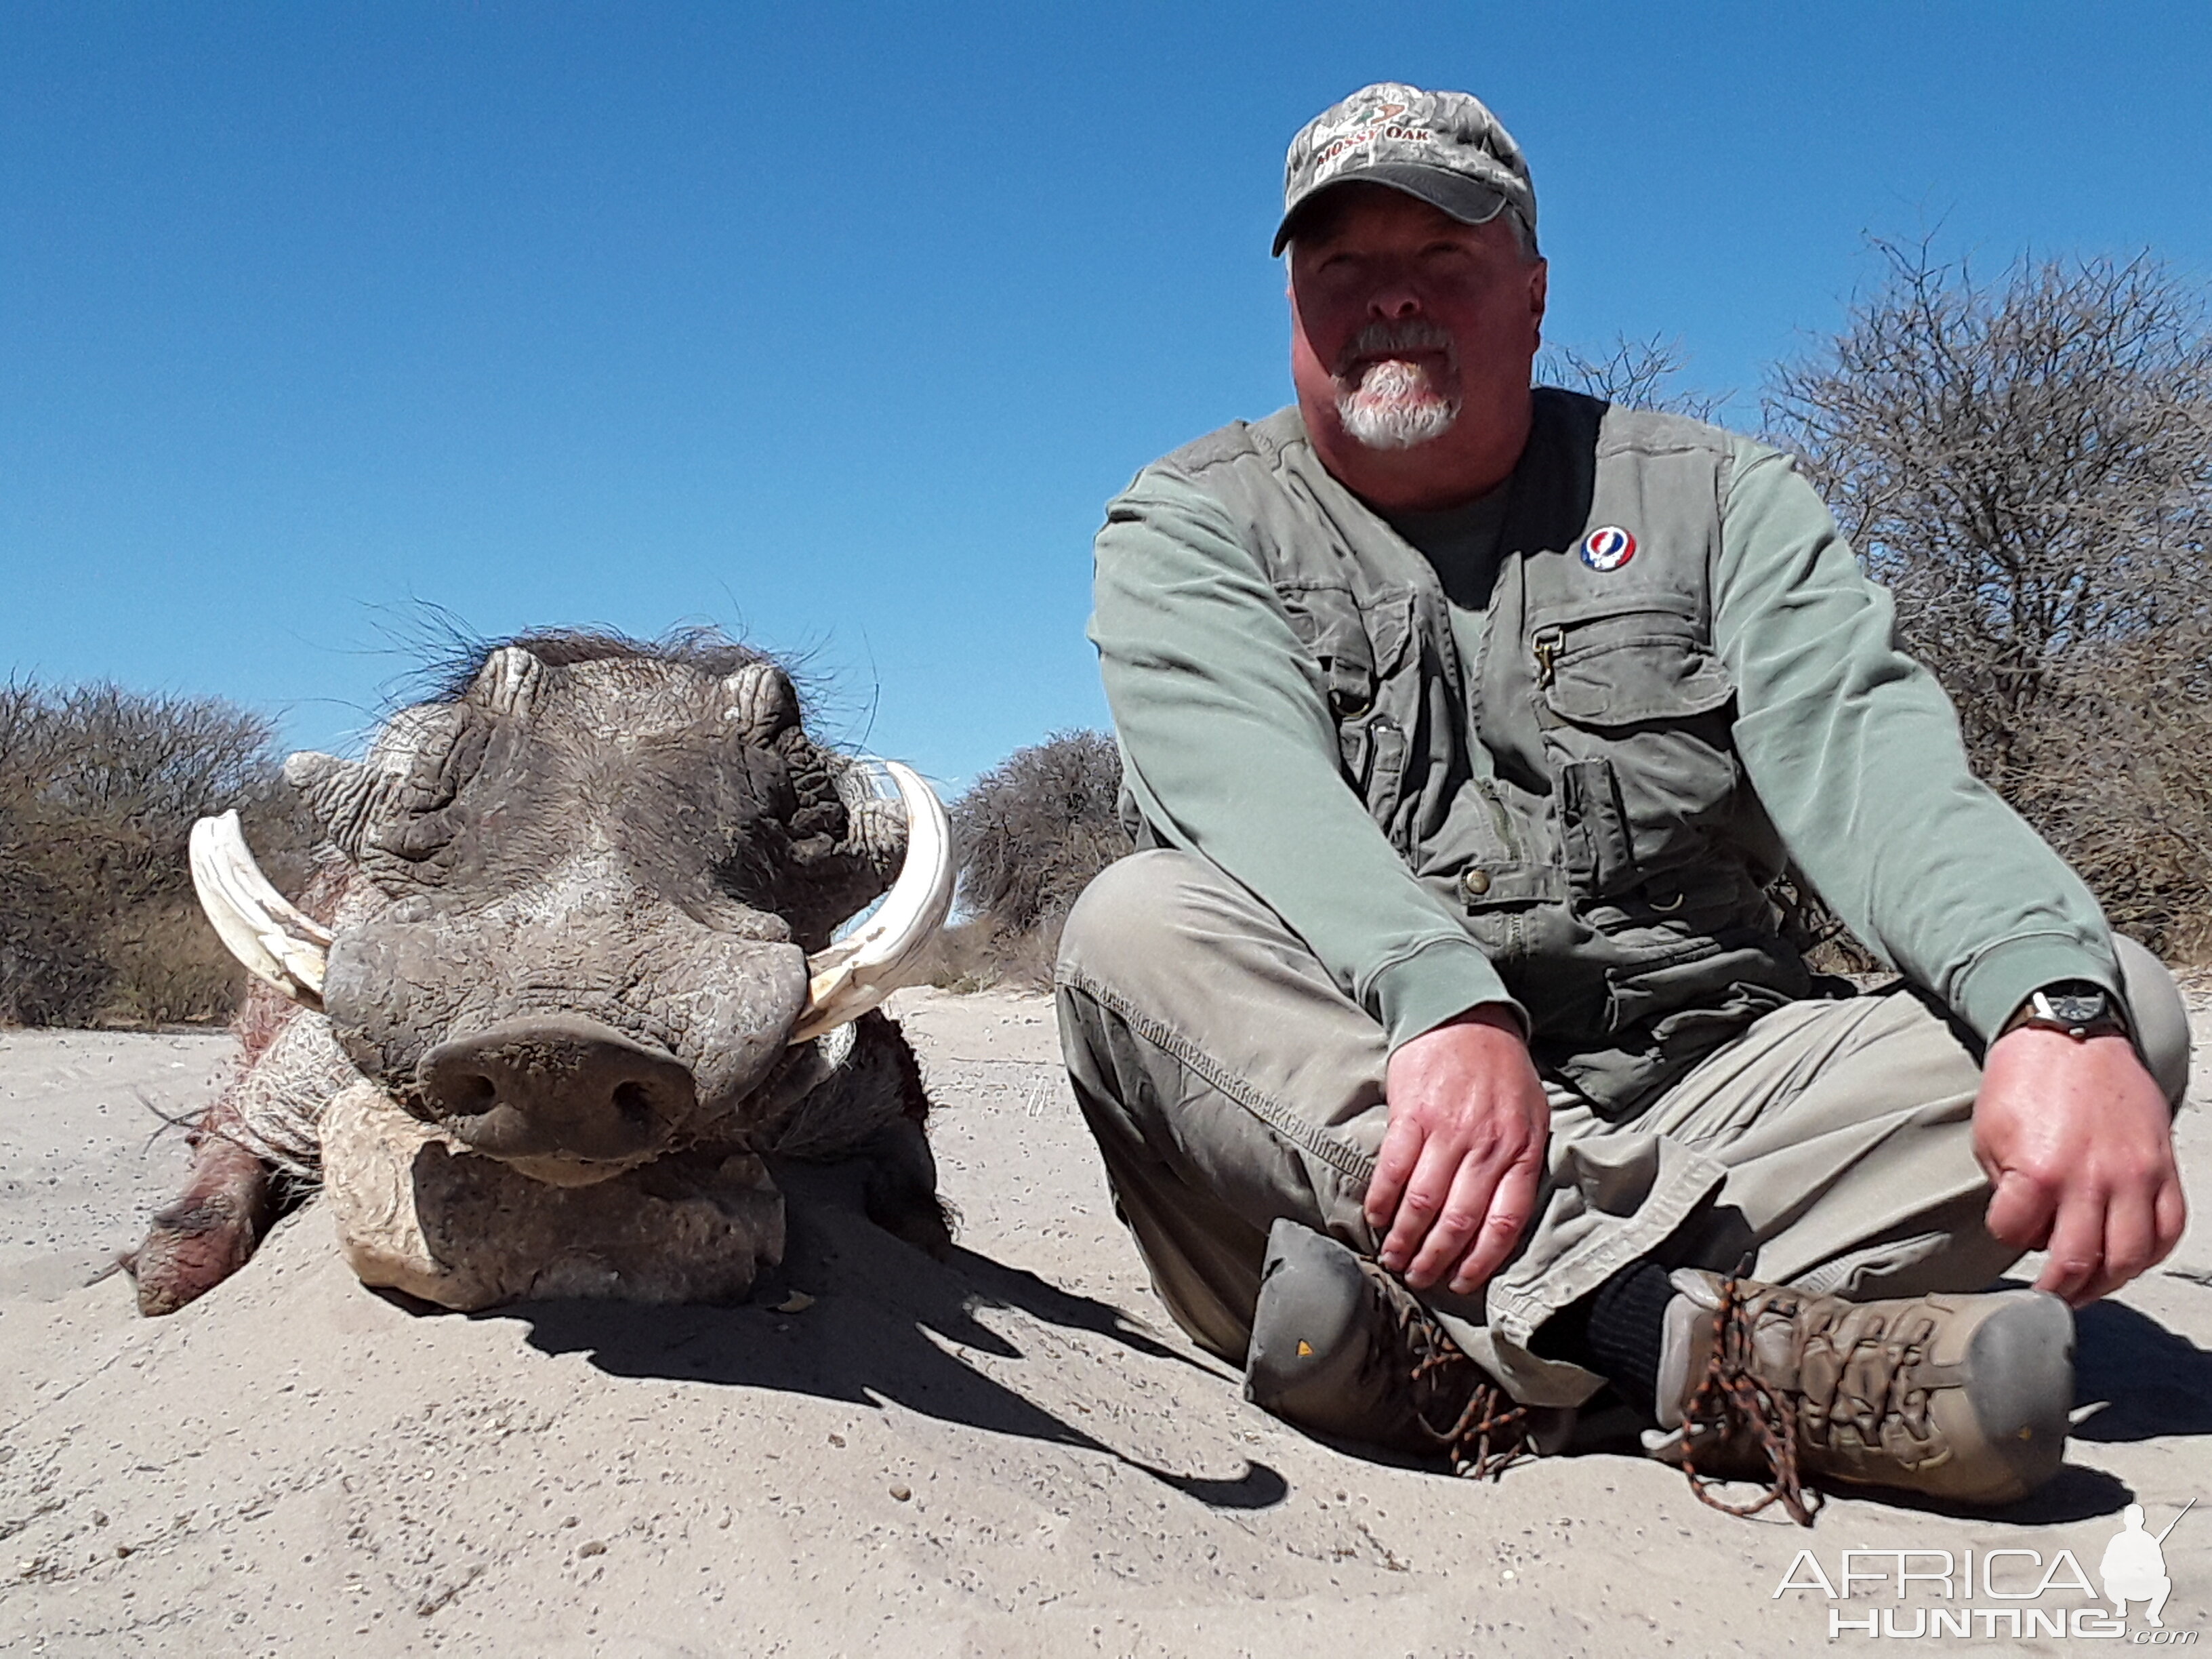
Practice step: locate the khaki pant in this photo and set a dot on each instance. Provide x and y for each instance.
(1229, 1082)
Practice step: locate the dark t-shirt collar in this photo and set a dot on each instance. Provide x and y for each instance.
(1461, 542)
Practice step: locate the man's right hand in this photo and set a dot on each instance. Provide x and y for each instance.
(1455, 1180)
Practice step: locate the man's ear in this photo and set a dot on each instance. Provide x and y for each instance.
(1540, 287)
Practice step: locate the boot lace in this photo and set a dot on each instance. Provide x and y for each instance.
(1858, 1379)
(1730, 1405)
(1488, 1432)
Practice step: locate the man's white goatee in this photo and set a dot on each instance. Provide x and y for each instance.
(1395, 403)
(1395, 407)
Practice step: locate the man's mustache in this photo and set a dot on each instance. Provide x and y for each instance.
(1387, 339)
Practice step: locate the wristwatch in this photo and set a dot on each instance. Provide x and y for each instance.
(2080, 1007)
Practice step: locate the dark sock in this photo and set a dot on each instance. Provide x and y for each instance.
(1616, 1331)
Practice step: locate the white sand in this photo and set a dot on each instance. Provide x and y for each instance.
(1011, 1454)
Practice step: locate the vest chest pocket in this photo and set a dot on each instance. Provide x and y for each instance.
(1635, 711)
(1361, 653)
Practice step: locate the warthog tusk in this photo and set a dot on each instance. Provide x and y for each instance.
(855, 974)
(277, 941)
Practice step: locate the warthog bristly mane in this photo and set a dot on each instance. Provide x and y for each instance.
(459, 658)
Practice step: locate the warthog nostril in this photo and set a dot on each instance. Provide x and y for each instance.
(634, 1101)
(473, 1093)
(560, 1087)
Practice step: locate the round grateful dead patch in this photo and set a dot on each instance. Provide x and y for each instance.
(1608, 548)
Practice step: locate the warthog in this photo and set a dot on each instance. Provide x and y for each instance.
(574, 979)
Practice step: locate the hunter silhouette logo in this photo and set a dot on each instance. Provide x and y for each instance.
(2134, 1567)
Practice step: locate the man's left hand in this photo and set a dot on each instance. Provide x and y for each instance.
(2078, 1143)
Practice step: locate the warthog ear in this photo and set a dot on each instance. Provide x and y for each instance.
(509, 681)
(762, 702)
(858, 972)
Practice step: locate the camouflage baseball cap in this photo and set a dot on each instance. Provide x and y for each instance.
(1442, 147)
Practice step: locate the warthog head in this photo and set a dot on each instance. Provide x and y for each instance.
(595, 891)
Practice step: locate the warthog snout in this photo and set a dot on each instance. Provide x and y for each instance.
(559, 1087)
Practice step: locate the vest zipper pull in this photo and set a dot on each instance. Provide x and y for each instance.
(1548, 644)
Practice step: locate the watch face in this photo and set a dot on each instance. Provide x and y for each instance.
(2076, 1007)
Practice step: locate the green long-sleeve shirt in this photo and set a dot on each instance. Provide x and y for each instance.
(1852, 748)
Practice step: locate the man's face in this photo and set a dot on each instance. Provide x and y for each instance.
(1406, 321)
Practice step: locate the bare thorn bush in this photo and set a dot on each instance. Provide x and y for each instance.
(2027, 462)
(98, 787)
(1634, 373)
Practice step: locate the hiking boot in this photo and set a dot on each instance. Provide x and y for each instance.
(1957, 1397)
(1340, 1347)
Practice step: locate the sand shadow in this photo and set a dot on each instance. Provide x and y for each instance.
(2076, 1493)
(885, 1323)
(2146, 1380)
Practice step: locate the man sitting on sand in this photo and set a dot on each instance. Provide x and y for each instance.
(1448, 1053)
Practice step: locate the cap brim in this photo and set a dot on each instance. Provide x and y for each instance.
(1468, 200)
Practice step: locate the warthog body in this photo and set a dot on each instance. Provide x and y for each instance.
(569, 982)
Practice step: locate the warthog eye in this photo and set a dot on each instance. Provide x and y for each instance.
(415, 837)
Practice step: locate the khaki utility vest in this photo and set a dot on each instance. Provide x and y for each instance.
(1584, 811)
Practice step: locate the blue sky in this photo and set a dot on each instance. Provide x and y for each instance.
(837, 325)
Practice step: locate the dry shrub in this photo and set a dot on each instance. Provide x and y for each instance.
(1033, 831)
(2027, 463)
(170, 968)
(2118, 782)
(98, 788)
(52, 972)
